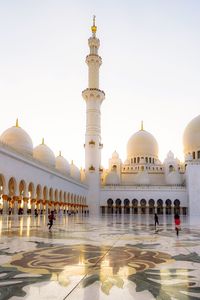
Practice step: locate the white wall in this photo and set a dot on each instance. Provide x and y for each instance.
(193, 188)
(19, 167)
(146, 193)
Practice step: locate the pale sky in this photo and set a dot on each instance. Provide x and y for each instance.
(151, 71)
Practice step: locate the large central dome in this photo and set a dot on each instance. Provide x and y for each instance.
(142, 143)
(191, 136)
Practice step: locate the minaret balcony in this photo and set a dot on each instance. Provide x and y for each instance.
(93, 58)
(93, 93)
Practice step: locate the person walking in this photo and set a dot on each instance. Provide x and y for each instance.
(51, 218)
(156, 220)
(177, 222)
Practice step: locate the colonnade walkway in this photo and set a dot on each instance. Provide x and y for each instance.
(99, 258)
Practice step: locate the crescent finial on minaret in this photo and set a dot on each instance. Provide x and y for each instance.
(94, 27)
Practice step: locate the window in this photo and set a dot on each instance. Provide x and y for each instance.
(198, 154)
(134, 160)
(146, 158)
(153, 160)
(138, 160)
(150, 160)
(193, 155)
(131, 160)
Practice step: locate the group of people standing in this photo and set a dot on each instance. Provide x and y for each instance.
(177, 222)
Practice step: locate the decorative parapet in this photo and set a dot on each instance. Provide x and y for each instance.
(91, 168)
(93, 93)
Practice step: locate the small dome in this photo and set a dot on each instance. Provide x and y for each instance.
(74, 171)
(18, 139)
(112, 178)
(142, 143)
(44, 154)
(62, 165)
(170, 155)
(191, 136)
(142, 178)
(127, 162)
(115, 155)
(173, 178)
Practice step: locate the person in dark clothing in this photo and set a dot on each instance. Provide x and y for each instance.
(156, 220)
(51, 218)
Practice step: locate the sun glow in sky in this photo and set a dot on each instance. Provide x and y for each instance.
(150, 71)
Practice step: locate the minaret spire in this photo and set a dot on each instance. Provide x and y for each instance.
(94, 27)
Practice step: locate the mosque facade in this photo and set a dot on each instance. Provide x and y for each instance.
(34, 179)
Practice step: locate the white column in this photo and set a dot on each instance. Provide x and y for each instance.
(5, 204)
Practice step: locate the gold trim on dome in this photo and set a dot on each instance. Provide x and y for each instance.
(17, 123)
(142, 125)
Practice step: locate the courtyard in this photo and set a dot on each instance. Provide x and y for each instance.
(98, 258)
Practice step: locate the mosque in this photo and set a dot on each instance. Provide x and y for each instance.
(33, 178)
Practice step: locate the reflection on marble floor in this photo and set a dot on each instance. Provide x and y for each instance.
(111, 257)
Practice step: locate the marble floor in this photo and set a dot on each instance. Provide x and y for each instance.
(110, 257)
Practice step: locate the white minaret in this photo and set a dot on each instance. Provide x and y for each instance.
(93, 97)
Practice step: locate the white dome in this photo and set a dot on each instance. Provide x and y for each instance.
(142, 178)
(127, 162)
(170, 155)
(112, 178)
(75, 172)
(191, 136)
(18, 139)
(142, 143)
(173, 178)
(115, 155)
(62, 165)
(44, 154)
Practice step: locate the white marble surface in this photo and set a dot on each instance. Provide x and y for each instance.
(94, 261)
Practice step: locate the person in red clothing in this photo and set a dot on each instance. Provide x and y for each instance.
(177, 222)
